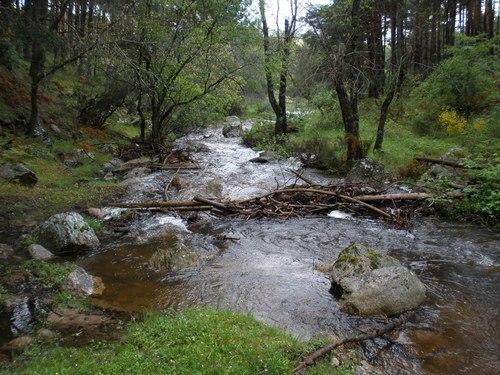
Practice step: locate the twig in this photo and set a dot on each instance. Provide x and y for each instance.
(314, 356)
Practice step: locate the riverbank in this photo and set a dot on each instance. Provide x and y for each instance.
(269, 269)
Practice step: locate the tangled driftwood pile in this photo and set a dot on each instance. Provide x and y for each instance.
(296, 201)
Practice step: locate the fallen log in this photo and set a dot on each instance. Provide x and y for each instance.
(448, 163)
(401, 197)
(344, 197)
(159, 204)
(317, 354)
(218, 205)
(393, 197)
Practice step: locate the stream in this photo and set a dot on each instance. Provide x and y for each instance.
(267, 268)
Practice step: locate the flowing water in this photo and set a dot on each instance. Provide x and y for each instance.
(267, 267)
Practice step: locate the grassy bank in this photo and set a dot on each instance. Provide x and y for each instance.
(195, 342)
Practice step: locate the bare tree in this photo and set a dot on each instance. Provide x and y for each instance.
(284, 43)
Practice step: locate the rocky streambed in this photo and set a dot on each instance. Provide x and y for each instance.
(272, 269)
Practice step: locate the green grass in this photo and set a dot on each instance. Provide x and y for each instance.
(68, 300)
(93, 223)
(323, 134)
(59, 188)
(49, 274)
(199, 341)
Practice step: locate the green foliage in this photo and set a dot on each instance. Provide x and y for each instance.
(465, 82)
(67, 300)
(59, 187)
(196, 342)
(94, 223)
(49, 274)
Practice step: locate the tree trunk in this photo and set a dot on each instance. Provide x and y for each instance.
(37, 61)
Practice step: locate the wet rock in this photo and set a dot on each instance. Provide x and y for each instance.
(38, 252)
(70, 319)
(21, 316)
(42, 134)
(259, 160)
(334, 362)
(232, 128)
(56, 129)
(18, 173)
(371, 283)
(366, 170)
(6, 251)
(110, 166)
(455, 154)
(179, 250)
(66, 233)
(134, 163)
(137, 173)
(214, 188)
(45, 334)
(82, 283)
(18, 343)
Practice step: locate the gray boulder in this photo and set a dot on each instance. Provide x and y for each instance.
(82, 283)
(232, 128)
(18, 173)
(66, 232)
(38, 252)
(371, 283)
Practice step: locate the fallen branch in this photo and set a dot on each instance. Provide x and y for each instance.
(448, 163)
(299, 176)
(344, 197)
(218, 205)
(314, 356)
(160, 204)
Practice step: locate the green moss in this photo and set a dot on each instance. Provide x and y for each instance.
(68, 300)
(47, 273)
(94, 224)
(346, 257)
(196, 342)
(374, 258)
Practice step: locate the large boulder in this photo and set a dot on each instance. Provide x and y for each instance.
(371, 283)
(66, 233)
(18, 173)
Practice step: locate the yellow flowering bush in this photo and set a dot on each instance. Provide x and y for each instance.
(479, 124)
(452, 122)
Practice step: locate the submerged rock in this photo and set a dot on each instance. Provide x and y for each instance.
(82, 283)
(66, 233)
(174, 255)
(38, 252)
(18, 173)
(371, 283)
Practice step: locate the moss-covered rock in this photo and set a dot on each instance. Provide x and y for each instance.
(369, 282)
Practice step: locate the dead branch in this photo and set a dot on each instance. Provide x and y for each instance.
(301, 177)
(314, 356)
(218, 205)
(448, 163)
